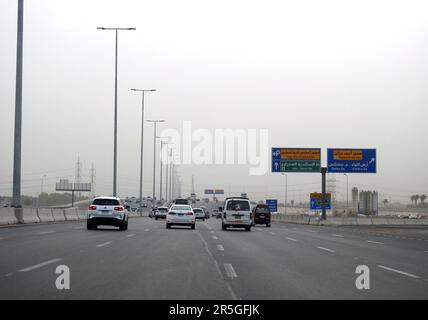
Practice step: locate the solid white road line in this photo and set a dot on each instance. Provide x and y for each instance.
(376, 242)
(146, 229)
(130, 235)
(272, 233)
(39, 265)
(220, 247)
(215, 238)
(398, 271)
(326, 249)
(230, 271)
(103, 244)
(292, 239)
(337, 235)
(313, 231)
(47, 232)
(426, 251)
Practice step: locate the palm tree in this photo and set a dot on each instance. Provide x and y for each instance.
(416, 199)
(423, 197)
(412, 198)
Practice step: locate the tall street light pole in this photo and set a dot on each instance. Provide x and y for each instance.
(155, 122)
(16, 197)
(285, 199)
(115, 110)
(347, 202)
(142, 144)
(161, 164)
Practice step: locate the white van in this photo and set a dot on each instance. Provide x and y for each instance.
(236, 213)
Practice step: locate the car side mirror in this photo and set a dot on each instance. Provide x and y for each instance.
(220, 208)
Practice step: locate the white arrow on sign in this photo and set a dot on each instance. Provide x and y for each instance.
(275, 164)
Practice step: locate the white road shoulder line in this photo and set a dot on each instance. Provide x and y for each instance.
(230, 271)
(376, 242)
(131, 235)
(39, 265)
(292, 239)
(103, 244)
(326, 249)
(47, 232)
(212, 231)
(215, 238)
(398, 271)
(220, 247)
(338, 235)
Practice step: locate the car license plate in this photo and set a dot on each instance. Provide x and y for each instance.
(181, 214)
(238, 217)
(262, 216)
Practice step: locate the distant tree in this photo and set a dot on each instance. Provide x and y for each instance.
(423, 197)
(416, 199)
(412, 198)
(385, 202)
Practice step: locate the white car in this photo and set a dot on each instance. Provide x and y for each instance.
(199, 213)
(181, 215)
(161, 213)
(236, 213)
(108, 211)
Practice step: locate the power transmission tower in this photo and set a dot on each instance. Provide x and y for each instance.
(92, 179)
(331, 187)
(78, 174)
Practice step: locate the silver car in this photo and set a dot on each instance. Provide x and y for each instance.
(199, 213)
(181, 215)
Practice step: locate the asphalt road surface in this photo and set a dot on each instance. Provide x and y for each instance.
(148, 261)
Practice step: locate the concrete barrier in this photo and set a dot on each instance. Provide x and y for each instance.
(58, 215)
(30, 215)
(71, 214)
(45, 215)
(364, 221)
(7, 216)
(81, 214)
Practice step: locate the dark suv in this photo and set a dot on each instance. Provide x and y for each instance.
(261, 215)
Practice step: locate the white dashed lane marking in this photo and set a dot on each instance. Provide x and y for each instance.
(47, 232)
(375, 242)
(103, 244)
(215, 238)
(131, 235)
(400, 272)
(326, 249)
(230, 271)
(39, 265)
(291, 239)
(220, 247)
(337, 235)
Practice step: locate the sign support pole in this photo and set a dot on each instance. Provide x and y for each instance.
(323, 201)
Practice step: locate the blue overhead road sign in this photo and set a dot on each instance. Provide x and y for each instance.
(351, 160)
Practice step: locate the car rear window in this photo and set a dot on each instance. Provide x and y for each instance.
(162, 209)
(106, 202)
(180, 208)
(262, 210)
(197, 210)
(238, 205)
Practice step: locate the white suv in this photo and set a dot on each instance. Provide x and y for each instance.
(236, 213)
(107, 211)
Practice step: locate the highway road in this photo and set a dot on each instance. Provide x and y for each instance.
(148, 261)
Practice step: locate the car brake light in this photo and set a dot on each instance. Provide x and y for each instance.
(92, 207)
(118, 208)
(189, 214)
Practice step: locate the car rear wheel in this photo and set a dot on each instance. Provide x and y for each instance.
(89, 225)
(168, 226)
(223, 227)
(193, 226)
(248, 228)
(268, 225)
(122, 226)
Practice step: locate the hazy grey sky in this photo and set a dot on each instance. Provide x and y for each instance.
(314, 73)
